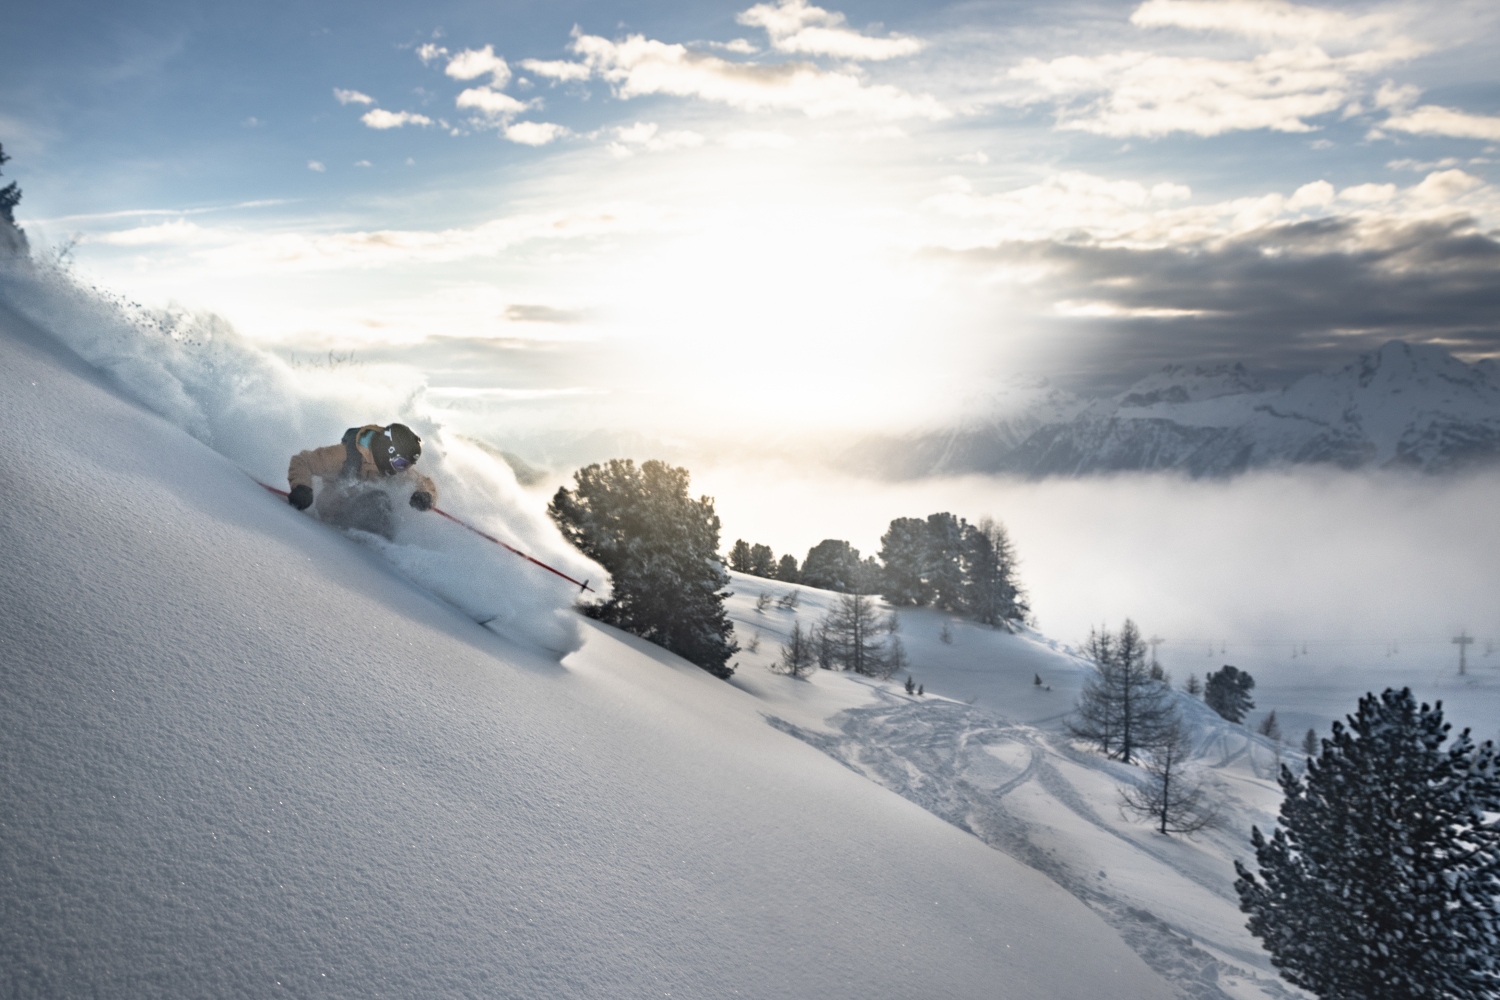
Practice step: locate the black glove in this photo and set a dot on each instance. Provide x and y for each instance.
(422, 500)
(300, 497)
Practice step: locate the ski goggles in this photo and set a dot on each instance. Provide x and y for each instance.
(400, 463)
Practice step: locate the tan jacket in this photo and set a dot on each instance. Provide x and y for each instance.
(331, 463)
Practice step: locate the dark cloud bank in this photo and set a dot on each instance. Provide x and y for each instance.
(1284, 300)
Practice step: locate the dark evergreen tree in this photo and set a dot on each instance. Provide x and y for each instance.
(797, 654)
(1269, 727)
(10, 195)
(1310, 743)
(1192, 686)
(944, 569)
(1227, 691)
(1121, 708)
(903, 551)
(787, 570)
(833, 564)
(1096, 717)
(823, 647)
(871, 577)
(739, 556)
(1169, 797)
(661, 549)
(991, 594)
(762, 561)
(855, 632)
(1381, 880)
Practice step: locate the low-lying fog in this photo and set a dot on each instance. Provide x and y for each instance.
(1372, 573)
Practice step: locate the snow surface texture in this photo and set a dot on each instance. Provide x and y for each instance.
(1404, 406)
(986, 749)
(257, 411)
(240, 757)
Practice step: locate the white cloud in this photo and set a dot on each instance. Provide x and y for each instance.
(1318, 194)
(379, 118)
(430, 52)
(795, 26)
(1141, 93)
(1092, 309)
(1423, 166)
(316, 167)
(648, 135)
(175, 231)
(739, 46)
(1445, 187)
(1368, 194)
(758, 140)
(1430, 119)
(296, 251)
(473, 63)
(639, 66)
(492, 103)
(1393, 98)
(1257, 19)
(1152, 95)
(534, 133)
(351, 96)
(979, 157)
(1079, 207)
(363, 163)
(557, 69)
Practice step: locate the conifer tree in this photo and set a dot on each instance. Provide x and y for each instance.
(739, 556)
(1170, 798)
(1227, 691)
(661, 549)
(1120, 707)
(944, 569)
(903, 551)
(762, 561)
(991, 594)
(1382, 877)
(833, 564)
(786, 569)
(10, 195)
(797, 653)
(1269, 727)
(1310, 742)
(855, 630)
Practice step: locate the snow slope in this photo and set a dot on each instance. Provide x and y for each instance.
(986, 749)
(257, 411)
(242, 755)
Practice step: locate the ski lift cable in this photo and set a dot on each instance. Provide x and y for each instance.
(582, 585)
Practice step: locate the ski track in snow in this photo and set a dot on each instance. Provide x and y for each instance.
(937, 754)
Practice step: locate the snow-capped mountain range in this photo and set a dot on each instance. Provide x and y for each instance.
(1405, 405)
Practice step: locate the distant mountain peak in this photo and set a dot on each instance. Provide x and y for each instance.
(1408, 405)
(1180, 384)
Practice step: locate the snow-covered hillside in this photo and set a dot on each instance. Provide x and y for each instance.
(986, 748)
(1402, 406)
(245, 754)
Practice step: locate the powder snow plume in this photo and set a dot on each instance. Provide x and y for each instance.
(257, 410)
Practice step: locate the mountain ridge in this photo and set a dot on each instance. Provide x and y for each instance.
(1404, 405)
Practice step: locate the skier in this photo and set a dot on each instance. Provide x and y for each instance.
(354, 494)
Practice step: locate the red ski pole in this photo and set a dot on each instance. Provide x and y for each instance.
(582, 586)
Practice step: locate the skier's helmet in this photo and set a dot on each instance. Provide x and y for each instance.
(401, 447)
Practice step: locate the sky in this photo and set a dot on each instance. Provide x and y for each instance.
(777, 213)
